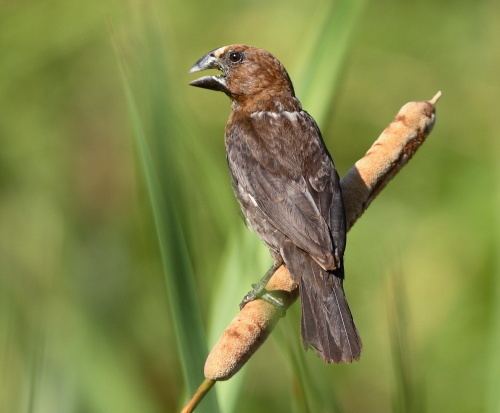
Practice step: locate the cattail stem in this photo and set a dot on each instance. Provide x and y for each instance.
(204, 388)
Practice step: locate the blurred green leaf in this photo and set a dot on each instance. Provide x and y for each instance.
(322, 62)
(493, 396)
(185, 311)
(407, 397)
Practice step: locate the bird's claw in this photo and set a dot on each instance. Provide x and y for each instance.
(259, 292)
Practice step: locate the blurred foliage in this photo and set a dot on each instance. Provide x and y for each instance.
(90, 320)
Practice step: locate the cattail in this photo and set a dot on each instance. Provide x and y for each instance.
(362, 183)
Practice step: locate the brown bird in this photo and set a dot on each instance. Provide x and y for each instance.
(288, 189)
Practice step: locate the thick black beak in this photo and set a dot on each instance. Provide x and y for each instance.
(209, 61)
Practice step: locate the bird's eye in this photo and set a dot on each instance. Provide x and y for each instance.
(235, 57)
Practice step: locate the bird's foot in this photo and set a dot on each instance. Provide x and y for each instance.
(259, 291)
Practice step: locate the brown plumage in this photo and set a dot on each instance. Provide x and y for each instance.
(288, 189)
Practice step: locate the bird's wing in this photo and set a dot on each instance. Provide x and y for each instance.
(281, 164)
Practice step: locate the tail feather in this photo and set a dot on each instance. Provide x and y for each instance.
(327, 324)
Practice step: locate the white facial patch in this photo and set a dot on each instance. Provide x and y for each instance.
(220, 51)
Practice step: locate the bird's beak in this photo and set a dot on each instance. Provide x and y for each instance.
(217, 82)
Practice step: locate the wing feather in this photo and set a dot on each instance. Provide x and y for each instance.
(284, 166)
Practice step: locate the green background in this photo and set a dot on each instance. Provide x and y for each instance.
(122, 250)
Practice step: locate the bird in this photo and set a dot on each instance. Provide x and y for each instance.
(288, 189)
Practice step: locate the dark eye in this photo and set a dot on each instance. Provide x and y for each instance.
(235, 57)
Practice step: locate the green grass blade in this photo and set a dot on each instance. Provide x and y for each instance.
(322, 62)
(305, 396)
(409, 395)
(186, 315)
(493, 396)
(36, 367)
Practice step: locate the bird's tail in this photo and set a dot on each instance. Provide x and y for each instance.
(327, 324)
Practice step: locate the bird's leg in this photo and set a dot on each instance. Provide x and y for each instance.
(259, 290)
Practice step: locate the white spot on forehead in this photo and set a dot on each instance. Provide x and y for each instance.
(220, 51)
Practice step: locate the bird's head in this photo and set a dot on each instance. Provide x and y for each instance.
(247, 73)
